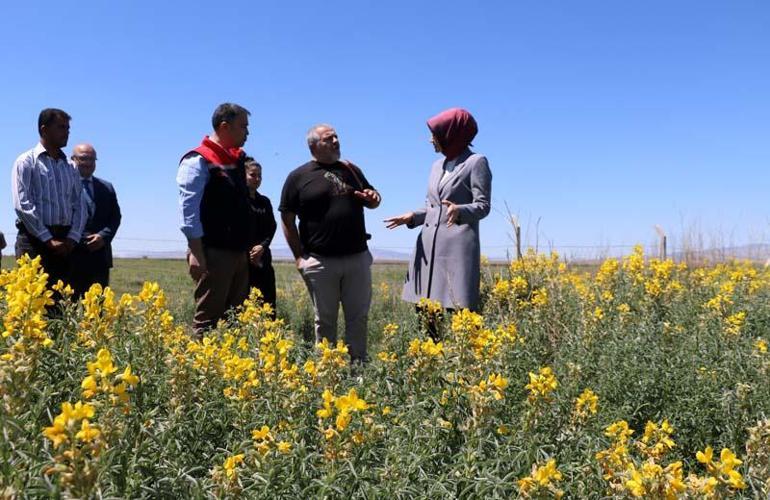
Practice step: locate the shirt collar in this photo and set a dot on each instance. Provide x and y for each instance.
(317, 165)
(39, 150)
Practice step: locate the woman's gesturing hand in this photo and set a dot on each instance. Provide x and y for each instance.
(452, 212)
(398, 220)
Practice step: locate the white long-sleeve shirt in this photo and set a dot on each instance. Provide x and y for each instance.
(46, 191)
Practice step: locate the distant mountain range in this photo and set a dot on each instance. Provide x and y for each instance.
(759, 252)
(278, 254)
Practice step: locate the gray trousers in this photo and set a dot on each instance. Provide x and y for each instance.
(346, 279)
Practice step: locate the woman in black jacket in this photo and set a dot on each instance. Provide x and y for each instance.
(261, 273)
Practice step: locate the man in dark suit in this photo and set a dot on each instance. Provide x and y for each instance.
(93, 254)
(2, 244)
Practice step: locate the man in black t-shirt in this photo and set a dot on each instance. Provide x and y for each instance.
(329, 196)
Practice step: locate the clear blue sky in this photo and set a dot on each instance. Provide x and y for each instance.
(599, 118)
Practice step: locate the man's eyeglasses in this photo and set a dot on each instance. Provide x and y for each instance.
(84, 157)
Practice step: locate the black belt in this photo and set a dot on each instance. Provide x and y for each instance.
(56, 230)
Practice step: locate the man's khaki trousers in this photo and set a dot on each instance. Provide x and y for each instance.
(346, 279)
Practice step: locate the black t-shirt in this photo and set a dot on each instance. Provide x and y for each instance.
(331, 218)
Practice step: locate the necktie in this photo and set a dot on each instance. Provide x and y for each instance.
(88, 189)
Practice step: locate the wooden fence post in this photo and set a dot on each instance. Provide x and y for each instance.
(517, 234)
(662, 242)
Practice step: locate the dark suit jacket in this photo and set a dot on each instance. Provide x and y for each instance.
(105, 221)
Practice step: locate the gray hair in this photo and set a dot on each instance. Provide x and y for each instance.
(313, 136)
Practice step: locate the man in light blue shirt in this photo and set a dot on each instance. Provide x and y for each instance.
(213, 201)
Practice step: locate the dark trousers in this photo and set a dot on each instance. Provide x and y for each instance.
(58, 267)
(263, 279)
(88, 268)
(226, 285)
(433, 325)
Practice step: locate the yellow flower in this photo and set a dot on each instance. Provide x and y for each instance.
(103, 365)
(542, 384)
(310, 368)
(129, 377)
(64, 289)
(728, 460)
(464, 321)
(547, 473)
(328, 400)
(119, 391)
(624, 308)
(706, 456)
(619, 431)
(493, 385)
(526, 484)
(350, 402)
(735, 480)
(231, 463)
(87, 433)
(284, 447)
(541, 478)
(502, 290)
(261, 433)
(635, 485)
(656, 440)
(761, 346)
(390, 329)
(430, 307)
(67, 420)
(263, 447)
(432, 349)
(387, 357)
(89, 386)
(586, 404)
(734, 323)
(539, 298)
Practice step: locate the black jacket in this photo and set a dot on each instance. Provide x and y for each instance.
(105, 220)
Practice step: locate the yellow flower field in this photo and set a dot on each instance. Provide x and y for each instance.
(643, 378)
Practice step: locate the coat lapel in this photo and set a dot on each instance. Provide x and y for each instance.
(461, 161)
(435, 177)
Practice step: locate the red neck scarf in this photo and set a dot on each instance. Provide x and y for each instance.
(216, 154)
(454, 129)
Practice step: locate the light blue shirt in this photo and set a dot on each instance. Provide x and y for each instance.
(46, 191)
(192, 177)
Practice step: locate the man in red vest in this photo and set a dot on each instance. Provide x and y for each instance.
(215, 217)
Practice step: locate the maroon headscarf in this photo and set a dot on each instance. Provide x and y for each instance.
(454, 129)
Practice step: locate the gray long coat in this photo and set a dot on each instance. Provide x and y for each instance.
(446, 260)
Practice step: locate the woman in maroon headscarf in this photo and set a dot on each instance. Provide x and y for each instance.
(445, 265)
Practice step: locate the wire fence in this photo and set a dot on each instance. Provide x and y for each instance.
(175, 248)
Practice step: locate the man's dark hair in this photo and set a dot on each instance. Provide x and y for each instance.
(227, 112)
(49, 115)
